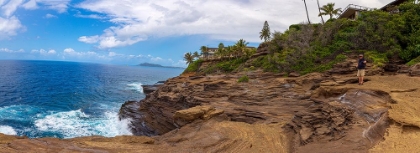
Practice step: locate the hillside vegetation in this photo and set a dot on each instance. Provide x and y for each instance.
(306, 48)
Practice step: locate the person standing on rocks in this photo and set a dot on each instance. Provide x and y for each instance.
(361, 66)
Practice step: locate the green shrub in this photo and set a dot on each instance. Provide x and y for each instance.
(243, 79)
(252, 68)
(378, 59)
(414, 61)
(194, 66)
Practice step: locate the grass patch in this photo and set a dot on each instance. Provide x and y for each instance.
(414, 61)
(243, 79)
(225, 66)
(378, 59)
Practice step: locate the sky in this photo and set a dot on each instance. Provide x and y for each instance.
(129, 32)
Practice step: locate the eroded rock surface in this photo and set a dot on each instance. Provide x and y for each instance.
(313, 111)
(270, 113)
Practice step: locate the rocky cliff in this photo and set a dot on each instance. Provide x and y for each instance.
(326, 112)
(316, 112)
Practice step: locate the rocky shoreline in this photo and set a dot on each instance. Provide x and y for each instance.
(312, 113)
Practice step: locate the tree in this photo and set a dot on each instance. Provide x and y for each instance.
(221, 50)
(188, 57)
(329, 10)
(196, 55)
(265, 32)
(319, 9)
(307, 14)
(241, 47)
(229, 51)
(204, 51)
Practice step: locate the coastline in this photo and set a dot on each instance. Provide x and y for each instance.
(317, 112)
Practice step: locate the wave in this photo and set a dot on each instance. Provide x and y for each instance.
(8, 130)
(15, 112)
(136, 87)
(76, 124)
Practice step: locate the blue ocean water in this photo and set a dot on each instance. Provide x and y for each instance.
(68, 99)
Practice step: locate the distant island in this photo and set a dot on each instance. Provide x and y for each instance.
(158, 65)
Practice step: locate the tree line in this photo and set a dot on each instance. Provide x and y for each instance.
(240, 49)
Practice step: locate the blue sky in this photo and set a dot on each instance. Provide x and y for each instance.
(130, 32)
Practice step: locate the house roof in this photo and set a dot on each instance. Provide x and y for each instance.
(393, 3)
(351, 9)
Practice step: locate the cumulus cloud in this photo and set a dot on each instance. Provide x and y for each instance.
(44, 52)
(6, 50)
(51, 52)
(222, 20)
(50, 16)
(70, 53)
(10, 27)
(155, 59)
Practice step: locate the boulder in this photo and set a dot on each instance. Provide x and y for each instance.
(294, 74)
(391, 68)
(346, 67)
(415, 70)
(198, 112)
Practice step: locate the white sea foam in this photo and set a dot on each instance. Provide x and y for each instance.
(76, 123)
(135, 86)
(7, 130)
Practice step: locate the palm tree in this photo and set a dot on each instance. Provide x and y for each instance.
(196, 55)
(307, 14)
(221, 50)
(241, 46)
(188, 57)
(329, 10)
(229, 51)
(204, 51)
(319, 9)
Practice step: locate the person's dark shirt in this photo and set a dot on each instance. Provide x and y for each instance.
(361, 64)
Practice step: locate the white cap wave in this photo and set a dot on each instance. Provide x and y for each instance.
(136, 86)
(8, 130)
(76, 124)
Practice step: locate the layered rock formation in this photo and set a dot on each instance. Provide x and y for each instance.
(311, 113)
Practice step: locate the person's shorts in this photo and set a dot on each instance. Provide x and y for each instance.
(361, 72)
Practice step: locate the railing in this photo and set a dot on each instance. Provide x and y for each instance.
(353, 6)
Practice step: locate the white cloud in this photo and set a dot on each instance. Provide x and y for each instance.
(50, 16)
(226, 20)
(30, 5)
(60, 6)
(9, 8)
(44, 52)
(91, 16)
(156, 59)
(52, 52)
(10, 27)
(89, 39)
(112, 54)
(70, 53)
(6, 50)
(180, 63)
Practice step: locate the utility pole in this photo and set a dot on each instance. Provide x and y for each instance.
(307, 14)
(319, 8)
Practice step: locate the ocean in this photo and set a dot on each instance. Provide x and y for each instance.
(69, 99)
